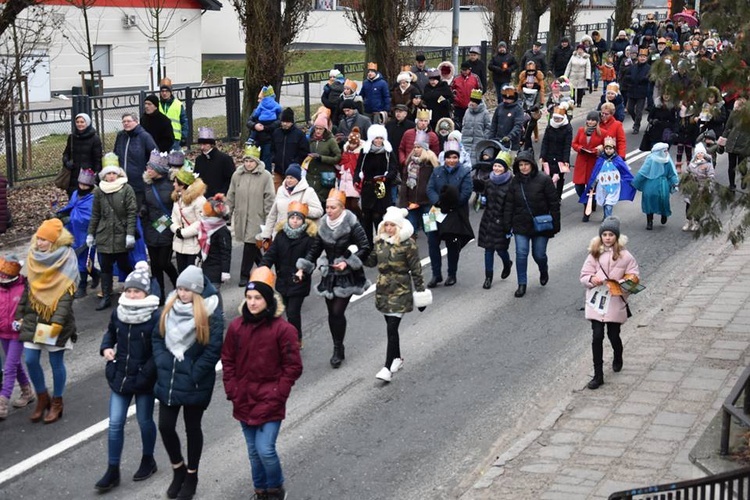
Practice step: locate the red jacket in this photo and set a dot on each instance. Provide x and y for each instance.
(261, 363)
(462, 87)
(407, 144)
(585, 161)
(613, 128)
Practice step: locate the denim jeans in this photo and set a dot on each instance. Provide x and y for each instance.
(433, 238)
(13, 369)
(36, 373)
(118, 415)
(489, 258)
(595, 75)
(538, 252)
(266, 156)
(261, 448)
(608, 210)
(433, 246)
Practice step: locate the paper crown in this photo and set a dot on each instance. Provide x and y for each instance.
(110, 160)
(350, 84)
(561, 110)
(10, 268)
(372, 66)
(298, 207)
(610, 141)
(252, 151)
(186, 175)
(643, 52)
(267, 91)
(424, 114)
(158, 160)
(206, 135)
(337, 195)
(509, 91)
(165, 82)
(176, 158)
(476, 94)
(264, 275)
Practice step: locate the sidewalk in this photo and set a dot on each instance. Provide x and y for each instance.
(681, 360)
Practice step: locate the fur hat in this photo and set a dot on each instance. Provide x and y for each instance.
(191, 279)
(405, 76)
(611, 223)
(396, 216)
(297, 208)
(50, 230)
(176, 158)
(10, 268)
(216, 206)
(287, 115)
(140, 278)
(206, 135)
(294, 170)
(87, 177)
(376, 130)
(262, 280)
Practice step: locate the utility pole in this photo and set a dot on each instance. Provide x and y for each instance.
(454, 42)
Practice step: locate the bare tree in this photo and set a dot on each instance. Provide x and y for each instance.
(11, 10)
(500, 20)
(270, 27)
(79, 35)
(624, 13)
(562, 18)
(383, 26)
(531, 12)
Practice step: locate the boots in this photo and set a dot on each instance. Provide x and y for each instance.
(178, 477)
(189, 485)
(598, 379)
(106, 301)
(521, 291)
(95, 276)
(55, 412)
(146, 469)
(81, 290)
(488, 280)
(3, 407)
(27, 397)
(42, 404)
(543, 277)
(506, 269)
(110, 479)
(649, 222)
(338, 350)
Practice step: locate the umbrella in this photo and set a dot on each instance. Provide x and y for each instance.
(687, 17)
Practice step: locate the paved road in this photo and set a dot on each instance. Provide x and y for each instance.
(479, 364)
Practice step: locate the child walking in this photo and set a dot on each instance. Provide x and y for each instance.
(606, 267)
(702, 171)
(610, 180)
(12, 285)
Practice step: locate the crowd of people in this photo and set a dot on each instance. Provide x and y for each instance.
(314, 208)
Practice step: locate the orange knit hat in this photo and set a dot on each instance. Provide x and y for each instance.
(50, 230)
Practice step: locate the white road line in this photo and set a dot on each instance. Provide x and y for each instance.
(567, 193)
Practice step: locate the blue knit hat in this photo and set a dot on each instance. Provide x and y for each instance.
(294, 170)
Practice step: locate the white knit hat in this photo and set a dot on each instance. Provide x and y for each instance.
(396, 215)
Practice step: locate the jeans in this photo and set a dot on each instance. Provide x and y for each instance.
(433, 246)
(36, 374)
(266, 156)
(608, 210)
(13, 369)
(489, 259)
(118, 415)
(538, 252)
(595, 76)
(415, 216)
(261, 448)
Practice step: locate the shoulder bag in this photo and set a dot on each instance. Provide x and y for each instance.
(62, 179)
(542, 223)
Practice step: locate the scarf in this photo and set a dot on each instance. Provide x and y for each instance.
(590, 130)
(180, 325)
(293, 234)
(562, 123)
(412, 173)
(208, 227)
(500, 179)
(51, 275)
(136, 311)
(376, 149)
(334, 223)
(114, 186)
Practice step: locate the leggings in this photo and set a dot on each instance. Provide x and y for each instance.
(684, 148)
(370, 221)
(161, 262)
(168, 430)
(184, 260)
(13, 367)
(597, 340)
(393, 350)
(579, 97)
(36, 373)
(337, 317)
(732, 161)
(293, 307)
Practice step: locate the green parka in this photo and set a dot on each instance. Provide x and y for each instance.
(113, 218)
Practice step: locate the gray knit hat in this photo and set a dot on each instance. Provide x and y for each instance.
(611, 223)
(140, 278)
(191, 279)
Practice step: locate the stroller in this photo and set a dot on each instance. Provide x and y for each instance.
(487, 150)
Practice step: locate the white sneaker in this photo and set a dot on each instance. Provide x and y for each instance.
(396, 364)
(384, 374)
(694, 226)
(687, 226)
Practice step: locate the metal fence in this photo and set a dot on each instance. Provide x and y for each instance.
(733, 485)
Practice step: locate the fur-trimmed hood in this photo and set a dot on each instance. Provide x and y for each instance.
(405, 232)
(448, 76)
(194, 191)
(596, 243)
(279, 305)
(312, 227)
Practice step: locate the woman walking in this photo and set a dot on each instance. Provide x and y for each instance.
(606, 267)
(83, 151)
(588, 143)
(397, 258)
(342, 274)
(531, 194)
(186, 351)
(131, 373)
(493, 237)
(259, 386)
(555, 153)
(656, 180)
(46, 313)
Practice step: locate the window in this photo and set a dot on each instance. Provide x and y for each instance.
(102, 59)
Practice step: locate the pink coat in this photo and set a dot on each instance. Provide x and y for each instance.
(10, 295)
(606, 268)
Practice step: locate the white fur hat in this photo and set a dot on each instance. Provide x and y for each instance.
(396, 215)
(375, 131)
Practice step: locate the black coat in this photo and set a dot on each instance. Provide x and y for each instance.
(560, 57)
(219, 258)
(216, 170)
(83, 150)
(502, 67)
(431, 95)
(133, 370)
(371, 166)
(283, 254)
(491, 229)
(542, 199)
(160, 127)
(638, 81)
(478, 68)
(556, 146)
(151, 211)
(289, 146)
(396, 130)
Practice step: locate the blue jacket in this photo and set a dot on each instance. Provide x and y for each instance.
(507, 121)
(79, 212)
(459, 177)
(133, 150)
(376, 95)
(133, 371)
(190, 381)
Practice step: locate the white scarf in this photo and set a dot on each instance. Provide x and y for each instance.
(114, 186)
(334, 223)
(180, 325)
(136, 311)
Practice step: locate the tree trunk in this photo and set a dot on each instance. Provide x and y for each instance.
(623, 14)
(502, 21)
(562, 16)
(531, 11)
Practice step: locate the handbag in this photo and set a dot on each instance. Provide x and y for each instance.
(62, 179)
(542, 223)
(328, 179)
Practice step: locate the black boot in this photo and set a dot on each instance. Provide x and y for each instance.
(543, 277)
(663, 219)
(95, 276)
(337, 358)
(189, 485)
(598, 379)
(110, 479)
(106, 301)
(506, 269)
(81, 290)
(617, 363)
(649, 222)
(488, 280)
(178, 477)
(521, 291)
(146, 469)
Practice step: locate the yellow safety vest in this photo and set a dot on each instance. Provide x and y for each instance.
(173, 113)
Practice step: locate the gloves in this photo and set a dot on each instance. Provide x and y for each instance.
(129, 242)
(55, 330)
(225, 277)
(89, 240)
(179, 233)
(420, 309)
